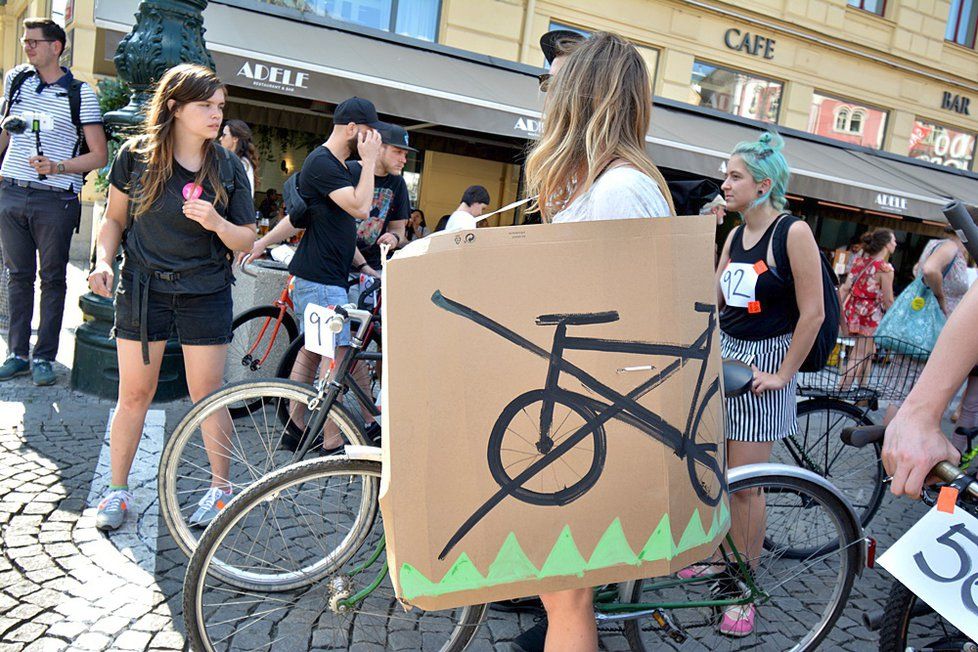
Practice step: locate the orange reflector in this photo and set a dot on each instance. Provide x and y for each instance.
(947, 499)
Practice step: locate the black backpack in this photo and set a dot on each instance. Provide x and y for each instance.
(828, 332)
(74, 105)
(296, 206)
(690, 196)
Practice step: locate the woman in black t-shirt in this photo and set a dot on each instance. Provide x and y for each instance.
(178, 203)
(769, 318)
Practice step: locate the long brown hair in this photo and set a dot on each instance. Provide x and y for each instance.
(597, 111)
(245, 149)
(183, 84)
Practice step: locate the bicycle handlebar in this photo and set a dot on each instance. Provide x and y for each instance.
(860, 436)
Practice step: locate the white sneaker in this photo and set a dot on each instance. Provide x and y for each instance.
(213, 502)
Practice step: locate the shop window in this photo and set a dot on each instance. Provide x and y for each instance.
(961, 22)
(872, 6)
(415, 18)
(848, 121)
(736, 92)
(942, 145)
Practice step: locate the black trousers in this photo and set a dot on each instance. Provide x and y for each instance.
(36, 227)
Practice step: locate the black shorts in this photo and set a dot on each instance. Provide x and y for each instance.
(199, 319)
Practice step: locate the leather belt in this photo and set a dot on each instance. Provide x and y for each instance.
(34, 185)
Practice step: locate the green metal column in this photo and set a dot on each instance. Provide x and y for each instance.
(166, 33)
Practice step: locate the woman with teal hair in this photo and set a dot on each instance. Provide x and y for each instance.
(769, 318)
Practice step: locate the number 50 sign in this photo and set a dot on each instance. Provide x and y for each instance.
(937, 559)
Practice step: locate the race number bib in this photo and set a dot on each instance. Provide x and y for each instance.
(937, 559)
(739, 284)
(318, 338)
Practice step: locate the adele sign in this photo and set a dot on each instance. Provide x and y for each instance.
(273, 77)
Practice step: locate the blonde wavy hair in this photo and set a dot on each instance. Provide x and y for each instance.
(183, 84)
(597, 112)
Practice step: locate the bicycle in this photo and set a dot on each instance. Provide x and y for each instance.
(308, 536)
(829, 406)
(533, 452)
(905, 622)
(268, 410)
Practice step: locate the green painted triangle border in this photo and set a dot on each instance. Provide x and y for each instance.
(565, 559)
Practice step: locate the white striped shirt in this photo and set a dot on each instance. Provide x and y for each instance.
(57, 144)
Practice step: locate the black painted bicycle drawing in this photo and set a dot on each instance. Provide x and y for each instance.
(548, 446)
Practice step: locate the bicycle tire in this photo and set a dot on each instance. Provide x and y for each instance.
(899, 614)
(245, 328)
(569, 492)
(199, 578)
(691, 620)
(177, 501)
(717, 480)
(857, 472)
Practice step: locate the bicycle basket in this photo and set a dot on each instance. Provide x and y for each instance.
(862, 369)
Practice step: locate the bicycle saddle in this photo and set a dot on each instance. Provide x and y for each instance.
(578, 319)
(737, 378)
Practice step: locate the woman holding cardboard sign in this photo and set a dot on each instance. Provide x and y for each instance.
(769, 318)
(602, 97)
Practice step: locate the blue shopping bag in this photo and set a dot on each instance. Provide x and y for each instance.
(913, 322)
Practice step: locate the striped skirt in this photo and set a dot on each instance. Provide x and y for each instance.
(773, 415)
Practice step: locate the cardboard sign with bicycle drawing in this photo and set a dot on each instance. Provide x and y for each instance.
(552, 410)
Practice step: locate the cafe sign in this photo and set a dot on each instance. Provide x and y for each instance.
(891, 203)
(272, 77)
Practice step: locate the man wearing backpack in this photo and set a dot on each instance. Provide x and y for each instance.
(45, 157)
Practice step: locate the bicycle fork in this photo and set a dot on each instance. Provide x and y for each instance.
(546, 442)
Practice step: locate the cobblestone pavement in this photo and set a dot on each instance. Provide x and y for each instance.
(63, 585)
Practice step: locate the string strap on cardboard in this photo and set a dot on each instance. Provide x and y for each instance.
(505, 208)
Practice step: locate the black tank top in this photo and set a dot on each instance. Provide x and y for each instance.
(760, 303)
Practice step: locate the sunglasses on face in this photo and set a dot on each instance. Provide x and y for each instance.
(544, 81)
(32, 42)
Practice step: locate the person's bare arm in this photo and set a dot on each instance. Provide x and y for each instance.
(933, 270)
(724, 261)
(96, 158)
(886, 284)
(396, 236)
(358, 200)
(279, 233)
(114, 223)
(914, 442)
(4, 142)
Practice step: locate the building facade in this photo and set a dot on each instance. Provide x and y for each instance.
(875, 96)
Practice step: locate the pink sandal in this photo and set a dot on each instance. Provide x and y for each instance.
(700, 569)
(738, 620)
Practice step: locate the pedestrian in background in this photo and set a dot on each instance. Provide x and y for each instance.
(417, 227)
(236, 138)
(864, 297)
(474, 202)
(39, 207)
(178, 204)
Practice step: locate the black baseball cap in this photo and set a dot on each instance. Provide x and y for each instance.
(550, 41)
(358, 111)
(395, 135)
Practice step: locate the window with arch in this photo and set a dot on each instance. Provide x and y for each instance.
(847, 120)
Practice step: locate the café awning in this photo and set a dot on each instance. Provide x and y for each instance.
(422, 82)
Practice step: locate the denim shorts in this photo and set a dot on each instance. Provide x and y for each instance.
(307, 292)
(199, 319)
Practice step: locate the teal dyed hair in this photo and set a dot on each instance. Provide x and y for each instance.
(764, 160)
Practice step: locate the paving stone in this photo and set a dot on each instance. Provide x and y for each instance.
(27, 632)
(132, 640)
(170, 640)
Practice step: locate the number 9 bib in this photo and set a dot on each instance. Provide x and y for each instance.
(739, 284)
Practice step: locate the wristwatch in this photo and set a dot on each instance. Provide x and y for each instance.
(61, 167)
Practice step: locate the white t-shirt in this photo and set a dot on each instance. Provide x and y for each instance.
(460, 221)
(619, 193)
(250, 171)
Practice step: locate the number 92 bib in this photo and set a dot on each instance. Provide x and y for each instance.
(739, 284)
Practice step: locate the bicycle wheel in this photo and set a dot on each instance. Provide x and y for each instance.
(250, 446)
(257, 346)
(910, 624)
(514, 447)
(309, 512)
(706, 466)
(857, 472)
(798, 601)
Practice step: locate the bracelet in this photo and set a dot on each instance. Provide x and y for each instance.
(361, 266)
(398, 240)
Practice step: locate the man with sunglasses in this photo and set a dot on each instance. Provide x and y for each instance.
(46, 155)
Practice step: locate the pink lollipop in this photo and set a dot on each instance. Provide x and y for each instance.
(192, 191)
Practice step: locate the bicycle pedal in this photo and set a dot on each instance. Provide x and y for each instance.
(665, 622)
